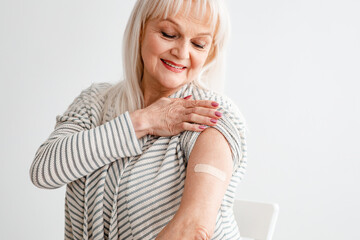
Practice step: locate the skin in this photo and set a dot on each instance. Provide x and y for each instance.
(162, 116)
(183, 40)
(203, 193)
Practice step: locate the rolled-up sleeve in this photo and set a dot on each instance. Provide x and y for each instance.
(232, 126)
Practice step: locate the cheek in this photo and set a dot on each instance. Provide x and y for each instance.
(153, 47)
(199, 60)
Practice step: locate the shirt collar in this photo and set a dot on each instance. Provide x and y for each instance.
(184, 91)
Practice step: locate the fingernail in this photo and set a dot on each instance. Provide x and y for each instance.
(202, 127)
(213, 120)
(187, 97)
(214, 104)
(218, 114)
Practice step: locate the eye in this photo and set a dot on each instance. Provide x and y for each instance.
(167, 35)
(199, 45)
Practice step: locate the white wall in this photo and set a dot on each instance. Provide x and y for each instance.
(293, 68)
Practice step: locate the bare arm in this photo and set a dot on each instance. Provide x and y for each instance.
(203, 192)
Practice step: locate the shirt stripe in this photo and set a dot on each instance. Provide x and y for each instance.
(121, 187)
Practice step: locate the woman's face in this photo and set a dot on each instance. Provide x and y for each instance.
(174, 50)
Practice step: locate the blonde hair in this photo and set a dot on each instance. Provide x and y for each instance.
(126, 95)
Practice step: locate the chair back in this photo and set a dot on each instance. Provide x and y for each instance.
(256, 220)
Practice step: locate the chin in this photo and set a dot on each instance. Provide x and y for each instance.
(172, 83)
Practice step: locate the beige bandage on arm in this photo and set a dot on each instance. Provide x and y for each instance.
(206, 168)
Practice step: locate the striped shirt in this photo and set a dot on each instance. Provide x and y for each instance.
(121, 187)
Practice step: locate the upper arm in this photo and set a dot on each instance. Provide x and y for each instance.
(212, 148)
(203, 192)
(230, 128)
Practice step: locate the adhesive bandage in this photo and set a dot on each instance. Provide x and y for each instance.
(206, 168)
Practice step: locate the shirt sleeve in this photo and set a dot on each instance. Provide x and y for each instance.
(232, 126)
(77, 147)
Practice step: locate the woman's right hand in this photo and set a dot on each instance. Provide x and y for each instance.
(183, 230)
(170, 116)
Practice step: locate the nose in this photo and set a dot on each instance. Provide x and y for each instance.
(181, 50)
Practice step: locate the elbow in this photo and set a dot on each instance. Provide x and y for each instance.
(37, 177)
(35, 182)
(39, 172)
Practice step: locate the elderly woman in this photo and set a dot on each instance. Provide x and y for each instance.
(157, 155)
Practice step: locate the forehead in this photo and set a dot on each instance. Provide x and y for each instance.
(186, 26)
(186, 12)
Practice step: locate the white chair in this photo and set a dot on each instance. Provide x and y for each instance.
(256, 220)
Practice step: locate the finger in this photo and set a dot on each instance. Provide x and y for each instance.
(185, 126)
(201, 103)
(207, 112)
(188, 97)
(198, 119)
(202, 234)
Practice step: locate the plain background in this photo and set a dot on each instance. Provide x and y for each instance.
(292, 68)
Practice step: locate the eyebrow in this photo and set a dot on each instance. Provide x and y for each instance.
(175, 23)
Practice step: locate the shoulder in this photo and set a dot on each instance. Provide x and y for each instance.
(101, 85)
(95, 92)
(89, 100)
(98, 88)
(231, 125)
(207, 94)
(227, 106)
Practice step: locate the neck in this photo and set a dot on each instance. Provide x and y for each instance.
(153, 93)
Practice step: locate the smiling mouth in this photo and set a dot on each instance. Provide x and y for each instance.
(172, 64)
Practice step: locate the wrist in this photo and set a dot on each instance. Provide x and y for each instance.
(140, 123)
(199, 220)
